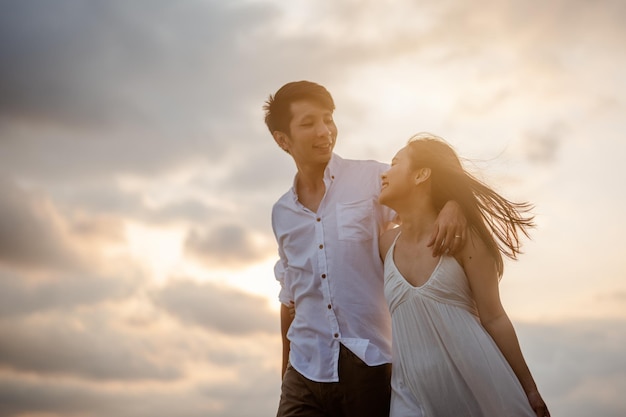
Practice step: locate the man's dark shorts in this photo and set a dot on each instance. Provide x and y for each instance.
(362, 390)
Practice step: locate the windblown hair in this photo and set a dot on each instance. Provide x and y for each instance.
(496, 220)
(278, 107)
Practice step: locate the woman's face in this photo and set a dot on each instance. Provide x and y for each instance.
(397, 181)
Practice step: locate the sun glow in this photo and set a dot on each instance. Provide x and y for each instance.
(161, 252)
(257, 279)
(158, 249)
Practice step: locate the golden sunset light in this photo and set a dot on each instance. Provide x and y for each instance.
(137, 180)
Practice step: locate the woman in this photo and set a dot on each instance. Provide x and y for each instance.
(455, 350)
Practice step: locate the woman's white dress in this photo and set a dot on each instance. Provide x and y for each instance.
(444, 362)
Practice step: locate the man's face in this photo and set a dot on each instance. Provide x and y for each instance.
(312, 133)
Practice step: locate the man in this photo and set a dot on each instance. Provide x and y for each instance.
(337, 348)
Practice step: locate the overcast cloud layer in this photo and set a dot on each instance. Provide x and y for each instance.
(137, 178)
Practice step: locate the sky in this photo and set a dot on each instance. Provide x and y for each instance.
(137, 179)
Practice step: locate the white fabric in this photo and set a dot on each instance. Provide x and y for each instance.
(444, 361)
(348, 305)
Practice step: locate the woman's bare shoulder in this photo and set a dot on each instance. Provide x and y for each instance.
(474, 251)
(385, 241)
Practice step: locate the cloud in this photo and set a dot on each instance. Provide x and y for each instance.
(54, 346)
(572, 363)
(21, 294)
(217, 308)
(224, 245)
(83, 62)
(31, 232)
(567, 358)
(121, 87)
(543, 148)
(253, 395)
(149, 114)
(268, 169)
(18, 396)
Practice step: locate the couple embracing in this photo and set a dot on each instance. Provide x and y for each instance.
(424, 332)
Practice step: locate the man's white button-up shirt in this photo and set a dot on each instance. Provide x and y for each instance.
(330, 267)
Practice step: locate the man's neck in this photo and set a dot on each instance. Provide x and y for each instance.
(310, 186)
(310, 176)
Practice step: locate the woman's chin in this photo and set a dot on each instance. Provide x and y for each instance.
(384, 199)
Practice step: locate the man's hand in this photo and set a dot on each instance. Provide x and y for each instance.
(450, 230)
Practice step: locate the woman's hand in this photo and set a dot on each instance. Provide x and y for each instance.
(538, 405)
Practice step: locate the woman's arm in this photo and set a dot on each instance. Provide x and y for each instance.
(482, 275)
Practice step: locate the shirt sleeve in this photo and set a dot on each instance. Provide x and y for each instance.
(280, 273)
(280, 269)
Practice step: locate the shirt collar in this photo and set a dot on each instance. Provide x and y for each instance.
(331, 170)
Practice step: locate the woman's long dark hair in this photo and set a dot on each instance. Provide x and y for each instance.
(496, 220)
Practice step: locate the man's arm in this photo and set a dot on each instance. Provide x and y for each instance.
(450, 230)
(285, 321)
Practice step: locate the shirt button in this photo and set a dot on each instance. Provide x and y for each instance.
(321, 246)
(329, 306)
(318, 219)
(336, 335)
(323, 276)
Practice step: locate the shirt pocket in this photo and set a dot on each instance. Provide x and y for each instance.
(355, 220)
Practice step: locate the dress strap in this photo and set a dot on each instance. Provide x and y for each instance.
(390, 250)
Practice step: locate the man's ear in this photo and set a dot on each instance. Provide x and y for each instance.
(422, 175)
(281, 140)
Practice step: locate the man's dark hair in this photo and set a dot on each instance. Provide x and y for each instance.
(278, 107)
